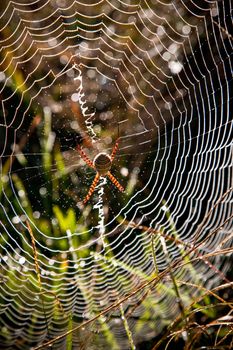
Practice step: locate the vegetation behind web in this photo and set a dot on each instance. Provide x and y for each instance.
(66, 285)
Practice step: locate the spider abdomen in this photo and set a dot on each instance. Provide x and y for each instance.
(102, 163)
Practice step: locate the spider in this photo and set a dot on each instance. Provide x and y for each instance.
(102, 164)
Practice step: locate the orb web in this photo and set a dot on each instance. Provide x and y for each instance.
(157, 77)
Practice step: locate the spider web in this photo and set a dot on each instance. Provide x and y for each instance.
(157, 75)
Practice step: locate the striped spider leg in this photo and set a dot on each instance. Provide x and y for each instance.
(102, 164)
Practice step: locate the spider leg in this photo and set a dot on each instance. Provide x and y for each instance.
(115, 182)
(114, 150)
(92, 188)
(85, 157)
